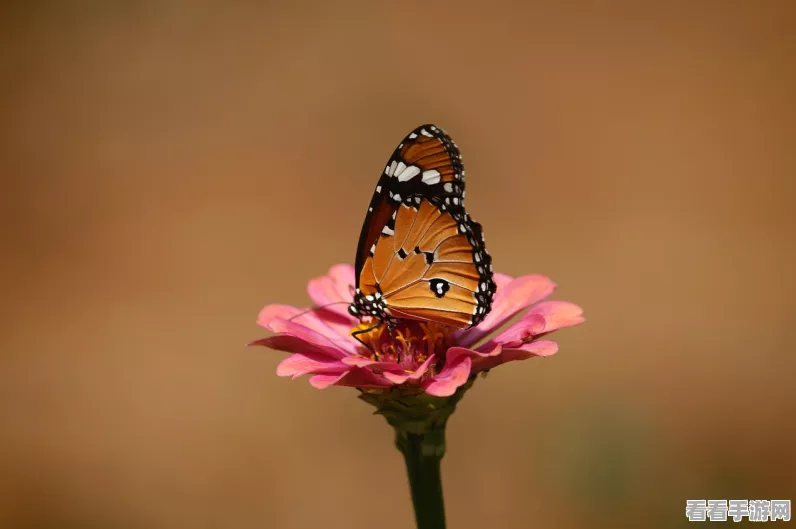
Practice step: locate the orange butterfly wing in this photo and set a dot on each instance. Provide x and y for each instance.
(420, 255)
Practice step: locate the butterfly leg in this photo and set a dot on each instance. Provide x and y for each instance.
(390, 329)
(356, 334)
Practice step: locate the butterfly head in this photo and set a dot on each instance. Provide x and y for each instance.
(371, 305)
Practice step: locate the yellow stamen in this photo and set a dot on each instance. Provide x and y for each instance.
(405, 338)
(402, 341)
(433, 335)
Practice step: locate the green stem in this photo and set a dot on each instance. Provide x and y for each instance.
(419, 420)
(423, 455)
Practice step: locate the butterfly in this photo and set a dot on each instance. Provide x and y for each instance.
(420, 256)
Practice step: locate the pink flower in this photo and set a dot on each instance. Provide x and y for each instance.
(428, 355)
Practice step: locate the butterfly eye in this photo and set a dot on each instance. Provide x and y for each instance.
(352, 310)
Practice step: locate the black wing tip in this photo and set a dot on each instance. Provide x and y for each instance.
(431, 128)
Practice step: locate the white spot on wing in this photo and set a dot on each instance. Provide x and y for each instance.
(399, 169)
(392, 168)
(408, 173)
(387, 231)
(412, 136)
(378, 189)
(424, 132)
(431, 176)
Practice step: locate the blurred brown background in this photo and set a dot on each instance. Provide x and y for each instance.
(168, 168)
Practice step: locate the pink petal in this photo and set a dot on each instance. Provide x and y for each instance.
(524, 328)
(269, 312)
(523, 352)
(454, 352)
(536, 348)
(302, 315)
(299, 364)
(502, 280)
(390, 370)
(558, 314)
(361, 361)
(324, 381)
(477, 357)
(356, 377)
(421, 369)
(335, 287)
(510, 299)
(454, 374)
(290, 344)
(399, 377)
(343, 274)
(320, 341)
(396, 378)
(271, 316)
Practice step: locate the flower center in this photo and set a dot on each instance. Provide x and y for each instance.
(409, 343)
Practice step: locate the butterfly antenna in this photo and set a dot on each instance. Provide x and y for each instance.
(317, 307)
